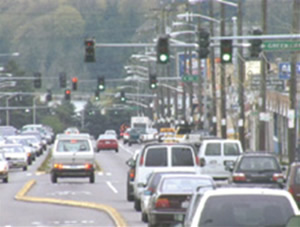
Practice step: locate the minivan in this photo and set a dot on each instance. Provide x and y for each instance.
(217, 154)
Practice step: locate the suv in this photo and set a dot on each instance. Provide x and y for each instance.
(216, 154)
(160, 157)
(293, 181)
(73, 156)
(257, 168)
(244, 207)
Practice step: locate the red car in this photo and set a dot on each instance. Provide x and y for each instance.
(293, 181)
(107, 142)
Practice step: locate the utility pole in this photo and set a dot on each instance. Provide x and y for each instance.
(213, 73)
(293, 87)
(262, 123)
(200, 87)
(223, 82)
(241, 76)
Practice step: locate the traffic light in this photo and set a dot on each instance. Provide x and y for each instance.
(203, 44)
(67, 94)
(162, 50)
(62, 80)
(122, 96)
(152, 82)
(255, 47)
(97, 95)
(74, 83)
(101, 83)
(226, 51)
(49, 96)
(89, 50)
(37, 80)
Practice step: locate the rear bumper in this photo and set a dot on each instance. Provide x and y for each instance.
(107, 147)
(3, 175)
(166, 217)
(72, 172)
(17, 163)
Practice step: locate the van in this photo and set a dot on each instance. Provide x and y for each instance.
(158, 156)
(217, 154)
(73, 156)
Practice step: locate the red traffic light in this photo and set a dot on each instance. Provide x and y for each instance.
(68, 92)
(74, 79)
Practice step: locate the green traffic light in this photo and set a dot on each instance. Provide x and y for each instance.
(153, 86)
(101, 87)
(226, 57)
(163, 58)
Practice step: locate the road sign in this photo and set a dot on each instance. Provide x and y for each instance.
(285, 70)
(194, 65)
(281, 45)
(272, 83)
(189, 78)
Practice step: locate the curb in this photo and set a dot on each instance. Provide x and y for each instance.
(113, 213)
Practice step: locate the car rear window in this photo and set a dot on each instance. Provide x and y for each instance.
(231, 149)
(259, 163)
(246, 210)
(183, 184)
(213, 149)
(182, 156)
(156, 157)
(73, 145)
(297, 176)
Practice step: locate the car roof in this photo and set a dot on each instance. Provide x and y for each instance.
(258, 154)
(107, 136)
(174, 169)
(73, 136)
(248, 191)
(187, 175)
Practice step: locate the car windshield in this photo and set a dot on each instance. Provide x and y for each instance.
(246, 210)
(182, 156)
(11, 149)
(258, 164)
(73, 145)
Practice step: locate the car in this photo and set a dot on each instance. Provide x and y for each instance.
(126, 136)
(15, 155)
(73, 156)
(134, 135)
(244, 207)
(4, 167)
(258, 169)
(151, 134)
(131, 175)
(293, 181)
(151, 186)
(71, 130)
(111, 132)
(156, 156)
(107, 142)
(216, 154)
(169, 202)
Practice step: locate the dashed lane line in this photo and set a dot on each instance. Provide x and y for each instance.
(127, 150)
(113, 213)
(112, 187)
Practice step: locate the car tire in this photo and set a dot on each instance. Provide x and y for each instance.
(144, 217)
(53, 178)
(117, 150)
(24, 168)
(129, 143)
(5, 180)
(92, 178)
(130, 197)
(137, 204)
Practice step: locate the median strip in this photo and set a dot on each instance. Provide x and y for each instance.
(113, 213)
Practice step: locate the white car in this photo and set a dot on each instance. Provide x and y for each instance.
(3, 168)
(244, 207)
(15, 155)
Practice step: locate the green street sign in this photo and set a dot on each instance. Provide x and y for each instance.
(281, 45)
(189, 78)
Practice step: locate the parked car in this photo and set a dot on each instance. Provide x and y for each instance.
(216, 154)
(73, 156)
(293, 181)
(4, 167)
(131, 175)
(158, 156)
(151, 186)
(107, 142)
(258, 169)
(15, 155)
(224, 207)
(169, 202)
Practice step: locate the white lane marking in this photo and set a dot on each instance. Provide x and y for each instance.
(127, 150)
(108, 174)
(28, 174)
(112, 187)
(100, 173)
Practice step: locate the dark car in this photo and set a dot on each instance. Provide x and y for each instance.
(293, 181)
(134, 135)
(257, 168)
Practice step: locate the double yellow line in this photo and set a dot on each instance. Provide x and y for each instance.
(114, 214)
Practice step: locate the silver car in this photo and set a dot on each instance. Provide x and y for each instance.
(15, 155)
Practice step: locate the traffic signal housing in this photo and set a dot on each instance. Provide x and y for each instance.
(68, 94)
(74, 83)
(122, 96)
(62, 80)
(49, 96)
(152, 82)
(89, 50)
(226, 51)
(162, 50)
(101, 84)
(255, 47)
(37, 82)
(203, 44)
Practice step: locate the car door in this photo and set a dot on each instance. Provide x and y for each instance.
(211, 155)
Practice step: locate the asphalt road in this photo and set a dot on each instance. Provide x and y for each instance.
(72, 201)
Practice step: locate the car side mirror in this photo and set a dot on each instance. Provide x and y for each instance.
(130, 162)
(202, 162)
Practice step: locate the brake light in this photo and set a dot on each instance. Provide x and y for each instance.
(28, 154)
(162, 203)
(142, 160)
(291, 190)
(88, 166)
(277, 176)
(58, 166)
(132, 174)
(239, 177)
(197, 161)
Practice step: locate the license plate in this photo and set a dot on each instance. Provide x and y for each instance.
(213, 162)
(73, 167)
(107, 142)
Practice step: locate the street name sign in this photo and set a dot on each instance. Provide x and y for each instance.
(189, 78)
(281, 46)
